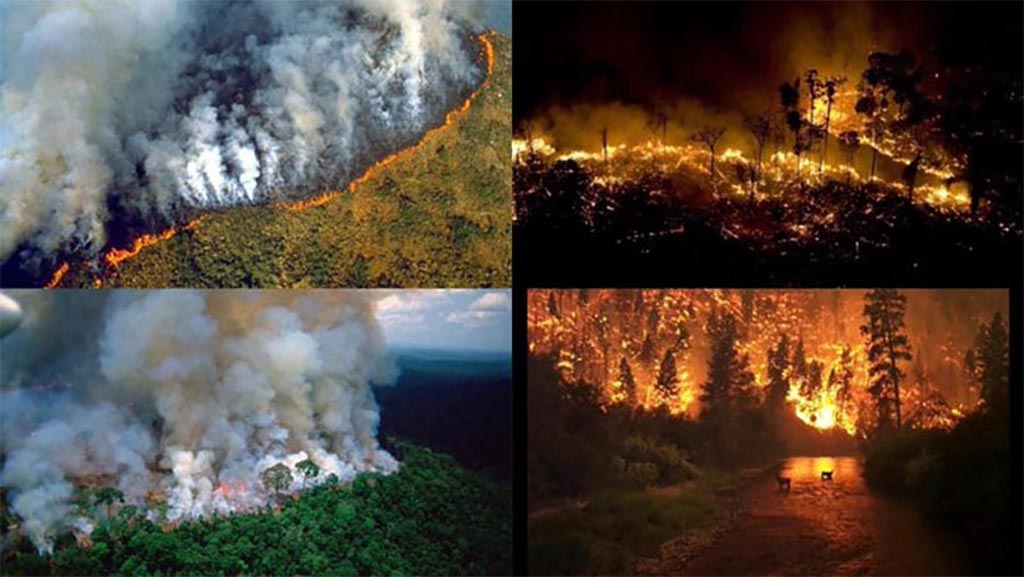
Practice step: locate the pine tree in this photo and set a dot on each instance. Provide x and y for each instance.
(628, 382)
(811, 386)
(729, 376)
(841, 380)
(778, 376)
(993, 361)
(799, 363)
(884, 310)
(667, 384)
(647, 352)
(552, 305)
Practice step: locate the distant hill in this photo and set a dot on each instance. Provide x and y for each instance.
(458, 402)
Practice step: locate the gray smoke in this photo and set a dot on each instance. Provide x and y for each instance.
(188, 394)
(151, 107)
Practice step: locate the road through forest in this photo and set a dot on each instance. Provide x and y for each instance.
(818, 528)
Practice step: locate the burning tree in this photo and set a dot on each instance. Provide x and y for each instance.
(667, 384)
(887, 346)
(761, 128)
(627, 383)
(849, 143)
(709, 137)
(778, 376)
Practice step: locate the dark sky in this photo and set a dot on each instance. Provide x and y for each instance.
(727, 54)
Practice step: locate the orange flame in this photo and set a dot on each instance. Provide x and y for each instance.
(57, 276)
(449, 118)
(116, 256)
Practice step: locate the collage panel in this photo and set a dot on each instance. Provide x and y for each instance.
(768, 143)
(318, 432)
(769, 432)
(282, 144)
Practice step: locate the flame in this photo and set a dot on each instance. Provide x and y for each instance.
(57, 276)
(588, 339)
(116, 256)
(449, 119)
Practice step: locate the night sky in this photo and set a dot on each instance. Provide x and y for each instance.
(733, 56)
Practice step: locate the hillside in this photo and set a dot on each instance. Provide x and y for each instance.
(438, 214)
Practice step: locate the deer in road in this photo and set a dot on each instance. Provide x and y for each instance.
(784, 482)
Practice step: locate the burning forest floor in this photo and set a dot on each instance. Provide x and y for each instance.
(433, 517)
(660, 226)
(434, 214)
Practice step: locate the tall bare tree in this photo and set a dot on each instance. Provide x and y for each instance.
(709, 137)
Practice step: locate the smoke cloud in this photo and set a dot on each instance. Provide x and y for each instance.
(145, 109)
(188, 395)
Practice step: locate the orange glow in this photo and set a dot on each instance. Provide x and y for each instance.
(449, 118)
(588, 334)
(57, 276)
(116, 256)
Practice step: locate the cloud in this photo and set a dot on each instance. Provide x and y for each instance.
(494, 301)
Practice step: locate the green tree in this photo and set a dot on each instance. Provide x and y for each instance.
(309, 470)
(278, 477)
(887, 347)
(107, 496)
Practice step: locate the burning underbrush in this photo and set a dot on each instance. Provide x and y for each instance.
(657, 213)
(185, 404)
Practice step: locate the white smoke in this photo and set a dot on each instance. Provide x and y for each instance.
(151, 107)
(191, 395)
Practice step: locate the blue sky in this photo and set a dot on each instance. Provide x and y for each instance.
(478, 320)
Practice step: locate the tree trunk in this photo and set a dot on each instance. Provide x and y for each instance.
(824, 144)
(874, 155)
(712, 164)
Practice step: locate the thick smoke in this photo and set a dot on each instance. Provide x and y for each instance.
(188, 394)
(146, 108)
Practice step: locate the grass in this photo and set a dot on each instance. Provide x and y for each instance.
(438, 217)
(605, 536)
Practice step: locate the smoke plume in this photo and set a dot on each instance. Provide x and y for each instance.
(143, 109)
(186, 397)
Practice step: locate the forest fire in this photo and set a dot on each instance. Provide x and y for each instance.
(115, 256)
(450, 117)
(652, 348)
(58, 275)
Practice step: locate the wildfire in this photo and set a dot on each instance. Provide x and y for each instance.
(116, 256)
(58, 275)
(593, 334)
(449, 118)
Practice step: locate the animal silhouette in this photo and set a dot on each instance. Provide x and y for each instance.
(784, 483)
(826, 475)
